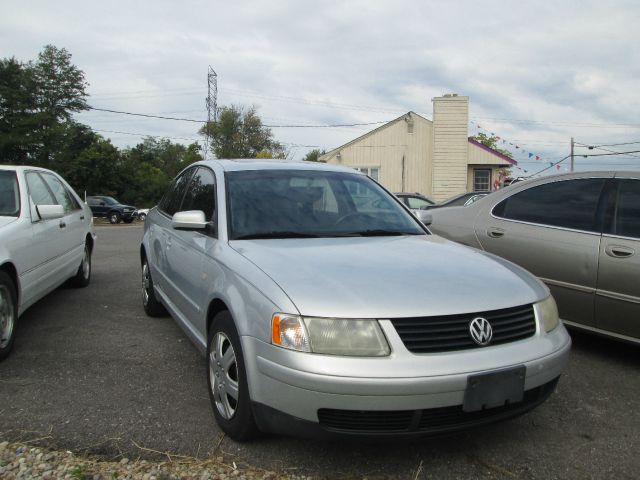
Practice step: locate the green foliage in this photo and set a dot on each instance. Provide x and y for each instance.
(492, 142)
(240, 134)
(79, 472)
(314, 155)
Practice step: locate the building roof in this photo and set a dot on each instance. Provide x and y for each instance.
(502, 156)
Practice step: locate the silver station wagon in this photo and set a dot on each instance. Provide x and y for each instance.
(325, 308)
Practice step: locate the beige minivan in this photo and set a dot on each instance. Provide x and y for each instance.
(578, 232)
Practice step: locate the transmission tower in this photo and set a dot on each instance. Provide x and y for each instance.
(212, 105)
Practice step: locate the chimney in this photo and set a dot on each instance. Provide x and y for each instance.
(450, 145)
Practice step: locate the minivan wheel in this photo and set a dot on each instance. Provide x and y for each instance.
(152, 306)
(83, 276)
(227, 379)
(8, 314)
(114, 218)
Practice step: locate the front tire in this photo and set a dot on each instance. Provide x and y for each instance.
(152, 306)
(8, 314)
(83, 276)
(227, 380)
(114, 218)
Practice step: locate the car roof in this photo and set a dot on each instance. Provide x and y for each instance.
(231, 165)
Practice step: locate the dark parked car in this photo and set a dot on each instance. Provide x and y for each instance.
(579, 232)
(109, 207)
(415, 201)
(461, 200)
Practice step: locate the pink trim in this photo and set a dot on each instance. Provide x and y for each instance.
(492, 151)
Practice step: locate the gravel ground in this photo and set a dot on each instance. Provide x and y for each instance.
(20, 461)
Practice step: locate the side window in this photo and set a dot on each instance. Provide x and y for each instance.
(63, 196)
(172, 200)
(569, 204)
(201, 194)
(38, 190)
(627, 211)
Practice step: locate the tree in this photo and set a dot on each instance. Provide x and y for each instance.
(37, 100)
(314, 155)
(240, 134)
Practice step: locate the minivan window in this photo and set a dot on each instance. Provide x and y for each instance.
(569, 204)
(627, 210)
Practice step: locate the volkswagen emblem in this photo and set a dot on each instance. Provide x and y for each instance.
(481, 331)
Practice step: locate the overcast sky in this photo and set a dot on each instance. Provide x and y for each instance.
(536, 74)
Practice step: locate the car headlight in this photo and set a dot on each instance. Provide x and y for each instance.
(547, 313)
(329, 336)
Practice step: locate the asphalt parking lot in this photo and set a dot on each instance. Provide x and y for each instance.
(91, 373)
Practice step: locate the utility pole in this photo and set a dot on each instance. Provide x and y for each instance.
(572, 155)
(212, 106)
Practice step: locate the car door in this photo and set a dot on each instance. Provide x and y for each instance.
(618, 293)
(161, 237)
(42, 258)
(72, 225)
(189, 270)
(554, 231)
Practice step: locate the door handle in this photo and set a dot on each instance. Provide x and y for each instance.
(618, 251)
(81, 217)
(495, 232)
(62, 224)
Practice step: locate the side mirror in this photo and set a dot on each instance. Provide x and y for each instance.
(425, 217)
(49, 212)
(189, 220)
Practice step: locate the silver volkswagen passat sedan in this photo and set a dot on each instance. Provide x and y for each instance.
(578, 232)
(325, 308)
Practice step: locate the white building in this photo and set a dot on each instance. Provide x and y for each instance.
(436, 158)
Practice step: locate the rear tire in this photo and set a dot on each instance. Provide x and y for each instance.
(83, 276)
(227, 380)
(152, 307)
(114, 218)
(8, 314)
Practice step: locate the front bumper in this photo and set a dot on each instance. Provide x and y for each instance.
(295, 392)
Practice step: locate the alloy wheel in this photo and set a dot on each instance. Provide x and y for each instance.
(223, 373)
(7, 316)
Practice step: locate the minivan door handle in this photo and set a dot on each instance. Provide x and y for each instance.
(495, 232)
(618, 251)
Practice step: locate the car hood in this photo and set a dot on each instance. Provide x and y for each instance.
(6, 220)
(387, 277)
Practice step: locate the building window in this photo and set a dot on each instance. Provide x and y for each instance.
(373, 172)
(481, 180)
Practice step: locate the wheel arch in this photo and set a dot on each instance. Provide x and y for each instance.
(10, 269)
(215, 307)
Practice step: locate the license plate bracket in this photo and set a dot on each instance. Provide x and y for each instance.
(495, 389)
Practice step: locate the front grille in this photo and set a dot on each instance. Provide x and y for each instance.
(451, 332)
(431, 420)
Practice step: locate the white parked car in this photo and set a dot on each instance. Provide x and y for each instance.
(46, 238)
(142, 213)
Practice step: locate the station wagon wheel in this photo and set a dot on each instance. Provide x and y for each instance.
(83, 276)
(8, 314)
(152, 306)
(228, 386)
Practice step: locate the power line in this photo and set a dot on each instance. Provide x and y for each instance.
(607, 154)
(565, 124)
(162, 117)
(607, 144)
(550, 166)
(146, 135)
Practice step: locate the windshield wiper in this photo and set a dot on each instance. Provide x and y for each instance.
(266, 235)
(376, 233)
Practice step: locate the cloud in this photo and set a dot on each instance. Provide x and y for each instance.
(558, 66)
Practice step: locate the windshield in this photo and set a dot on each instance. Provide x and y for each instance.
(110, 201)
(9, 194)
(301, 203)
